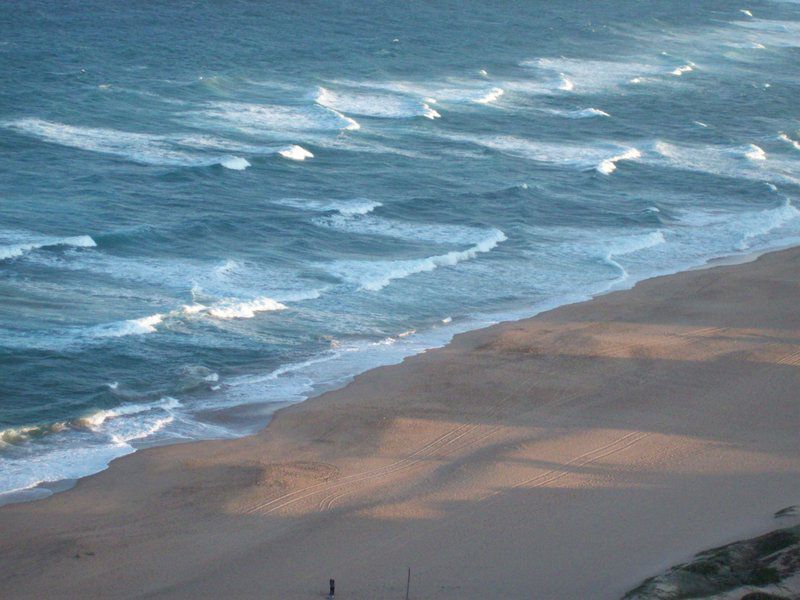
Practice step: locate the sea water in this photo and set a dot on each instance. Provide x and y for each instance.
(209, 210)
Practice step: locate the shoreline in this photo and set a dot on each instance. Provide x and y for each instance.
(47, 489)
(549, 418)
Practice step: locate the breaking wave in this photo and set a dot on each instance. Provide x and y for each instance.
(581, 113)
(785, 138)
(584, 76)
(743, 162)
(490, 96)
(143, 148)
(601, 156)
(22, 247)
(278, 121)
(387, 106)
(375, 275)
(405, 230)
(295, 153)
(687, 68)
(222, 309)
(630, 245)
(609, 165)
(347, 208)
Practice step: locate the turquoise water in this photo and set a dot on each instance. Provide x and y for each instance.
(209, 210)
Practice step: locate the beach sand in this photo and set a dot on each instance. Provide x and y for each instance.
(570, 455)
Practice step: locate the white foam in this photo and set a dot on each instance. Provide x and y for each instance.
(139, 326)
(739, 231)
(776, 33)
(744, 162)
(347, 208)
(687, 68)
(387, 106)
(274, 120)
(296, 152)
(375, 275)
(768, 221)
(601, 156)
(753, 152)
(794, 143)
(744, 11)
(144, 148)
(490, 96)
(609, 165)
(94, 420)
(630, 245)
(55, 464)
(18, 435)
(581, 113)
(244, 310)
(235, 308)
(235, 162)
(583, 76)
(193, 309)
(34, 242)
(406, 230)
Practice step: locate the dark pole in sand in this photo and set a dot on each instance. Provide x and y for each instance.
(408, 582)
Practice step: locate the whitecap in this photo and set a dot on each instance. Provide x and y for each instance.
(580, 113)
(490, 96)
(753, 152)
(744, 162)
(601, 156)
(139, 326)
(144, 148)
(296, 152)
(244, 310)
(687, 68)
(94, 420)
(794, 143)
(609, 165)
(387, 106)
(583, 76)
(347, 208)
(274, 120)
(235, 163)
(28, 243)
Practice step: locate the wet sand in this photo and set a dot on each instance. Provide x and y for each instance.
(570, 455)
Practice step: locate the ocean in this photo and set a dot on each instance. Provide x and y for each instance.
(211, 210)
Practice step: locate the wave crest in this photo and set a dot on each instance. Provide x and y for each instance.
(374, 276)
(18, 249)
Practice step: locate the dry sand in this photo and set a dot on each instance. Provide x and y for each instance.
(566, 456)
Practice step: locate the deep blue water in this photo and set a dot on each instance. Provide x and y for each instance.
(210, 209)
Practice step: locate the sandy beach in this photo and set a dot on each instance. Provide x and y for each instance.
(570, 455)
